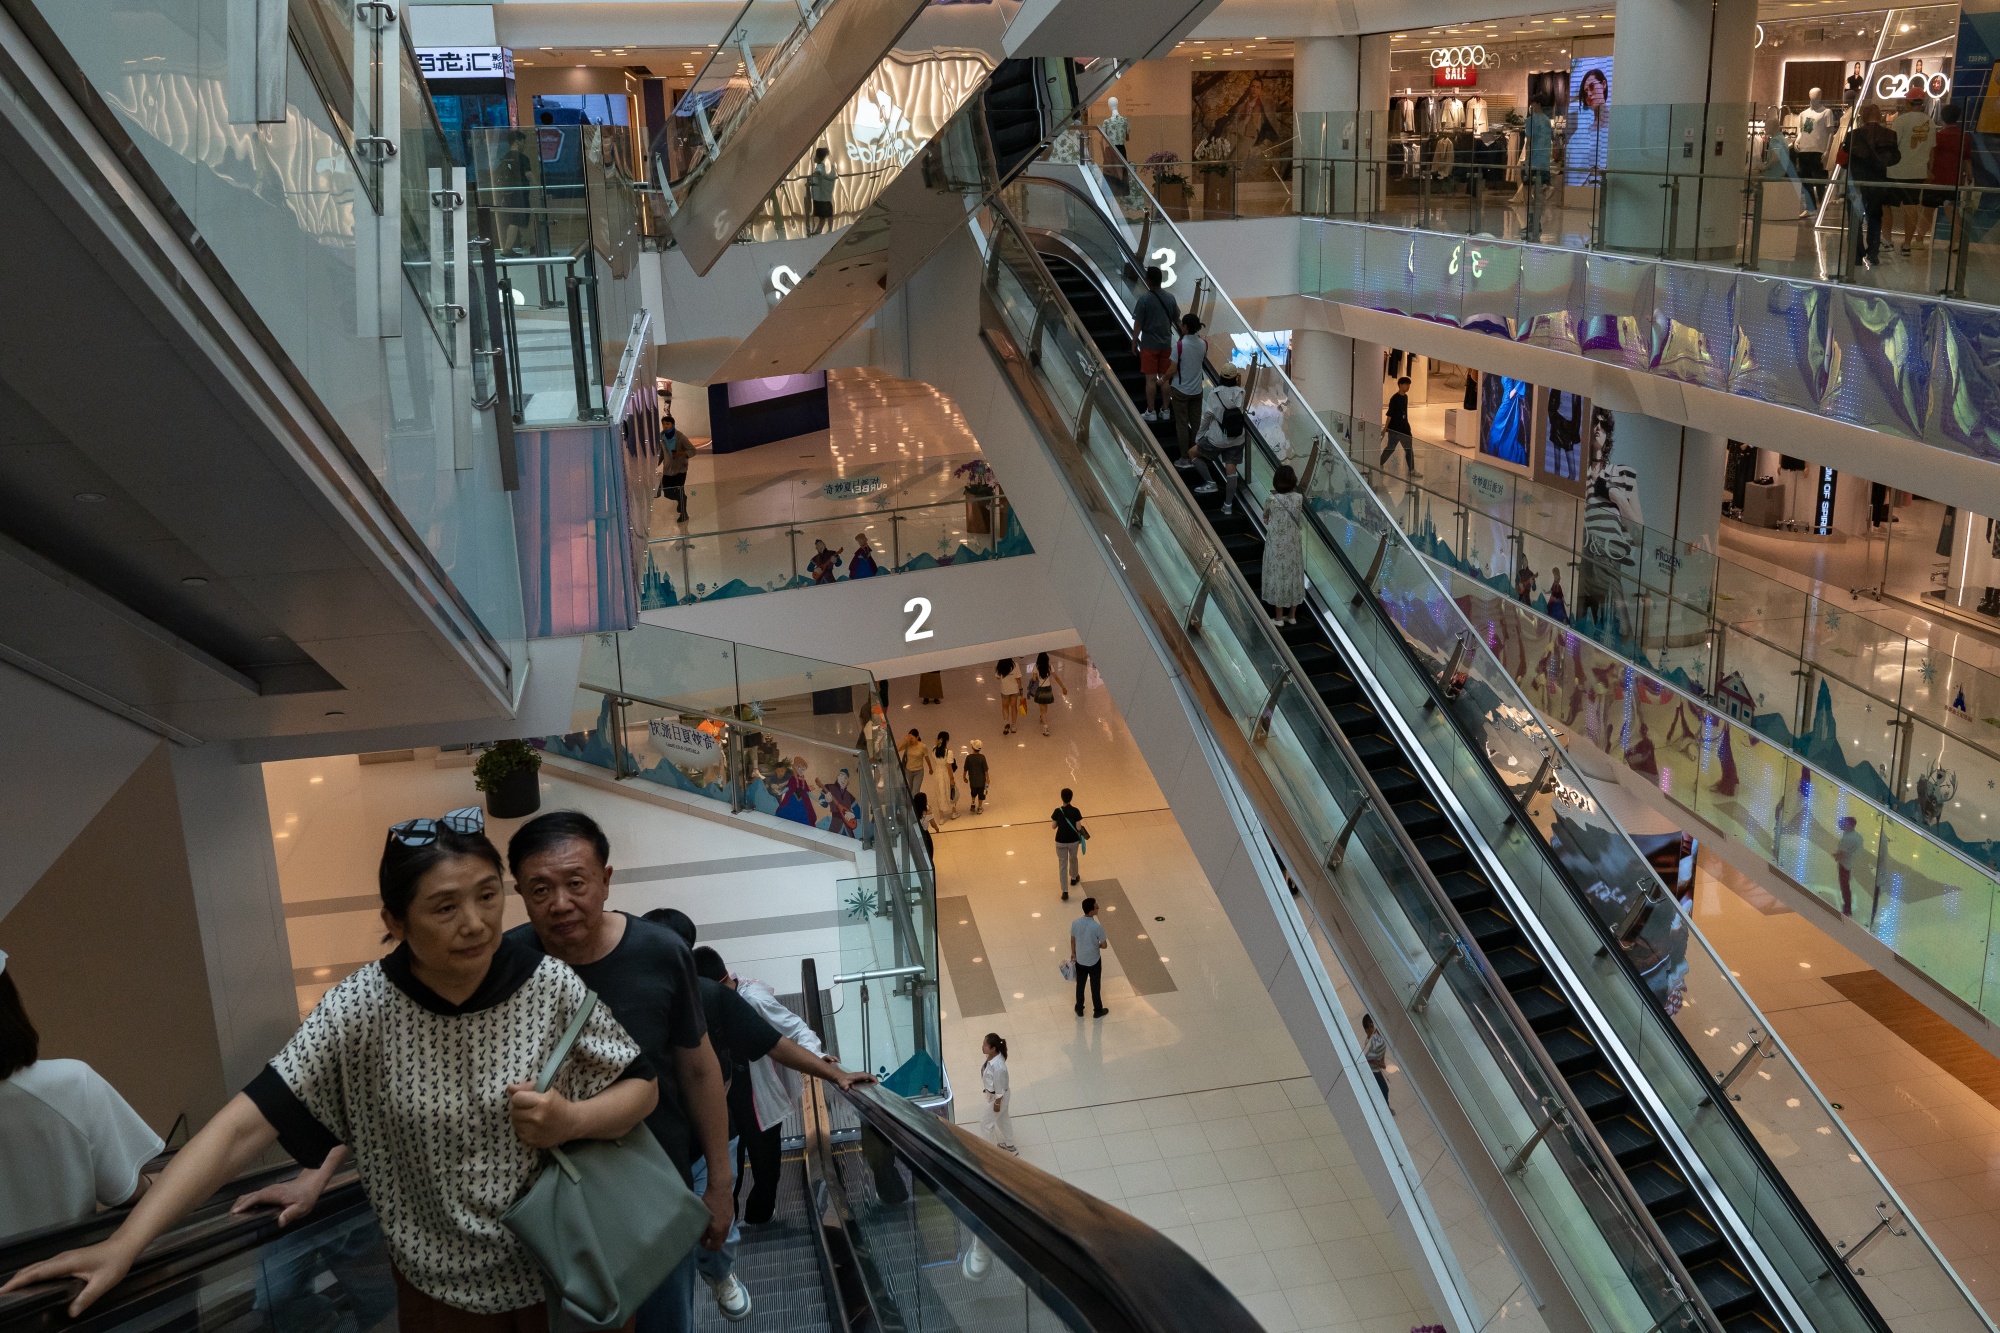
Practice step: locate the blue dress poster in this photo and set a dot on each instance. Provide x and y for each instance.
(1503, 418)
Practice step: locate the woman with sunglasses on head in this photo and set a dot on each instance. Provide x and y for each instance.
(421, 1066)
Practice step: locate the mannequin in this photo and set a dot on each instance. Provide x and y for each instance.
(1117, 130)
(1815, 137)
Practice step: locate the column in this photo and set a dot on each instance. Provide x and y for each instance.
(1678, 123)
(1679, 472)
(1326, 75)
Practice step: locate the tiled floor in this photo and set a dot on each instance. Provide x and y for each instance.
(1188, 1108)
(1936, 1139)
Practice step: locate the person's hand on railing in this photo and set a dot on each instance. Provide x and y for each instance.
(297, 1197)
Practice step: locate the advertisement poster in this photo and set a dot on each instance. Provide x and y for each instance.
(1505, 407)
(1249, 109)
(1559, 443)
(1976, 87)
(1589, 118)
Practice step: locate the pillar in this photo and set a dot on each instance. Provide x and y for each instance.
(1323, 368)
(1326, 75)
(1679, 472)
(1687, 64)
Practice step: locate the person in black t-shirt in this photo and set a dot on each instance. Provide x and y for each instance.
(561, 865)
(1070, 834)
(1396, 428)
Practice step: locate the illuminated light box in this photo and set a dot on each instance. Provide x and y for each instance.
(743, 414)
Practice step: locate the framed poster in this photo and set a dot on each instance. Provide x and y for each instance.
(1505, 407)
(1559, 460)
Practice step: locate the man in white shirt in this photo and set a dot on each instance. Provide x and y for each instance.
(1086, 955)
(1184, 388)
(774, 1091)
(1916, 136)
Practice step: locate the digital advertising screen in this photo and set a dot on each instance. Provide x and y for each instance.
(1589, 118)
(1559, 459)
(1505, 407)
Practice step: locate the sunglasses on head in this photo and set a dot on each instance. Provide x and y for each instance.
(424, 832)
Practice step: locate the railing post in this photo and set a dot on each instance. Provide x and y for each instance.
(687, 575)
(621, 762)
(1270, 708)
(1201, 595)
(1338, 852)
(707, 132)
(1374, 572)
(792, 538)
(1453, 948)
(1312, 463)
(1556, 1120)
(895, 541)
(750, 62)
(579, 367)
(1137, 513)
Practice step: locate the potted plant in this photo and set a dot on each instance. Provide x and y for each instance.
(1211, 157)
(509, 772)
(979, 492)
(1170, 183)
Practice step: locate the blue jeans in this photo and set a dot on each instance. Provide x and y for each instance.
(670, 1309)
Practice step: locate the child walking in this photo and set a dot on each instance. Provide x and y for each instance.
(996, 1122)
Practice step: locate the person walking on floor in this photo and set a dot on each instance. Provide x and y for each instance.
(1284, 574)
(1844, 856)
(676, 453)
(975, 776)
(1396, 429)
(916, 757)
(1871, 149)
(1377, 1054)
(1156, 321)
(948, 761)
(1045, 684)
(1086, 957)
(1010, 693)
(1541, 139)
(996, 1121)
(1070, 835)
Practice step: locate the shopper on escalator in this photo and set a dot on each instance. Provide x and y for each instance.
(69, 1144)
(446, 1033)
(1184, 391)
(1156, 322)
(1224, 424)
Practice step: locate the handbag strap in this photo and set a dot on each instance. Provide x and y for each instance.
(561, 1052)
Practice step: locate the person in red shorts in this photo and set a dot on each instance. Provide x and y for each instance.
(1154, 326)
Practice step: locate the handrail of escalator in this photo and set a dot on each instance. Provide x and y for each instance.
(1421, 873)
(1100, 1269)
(1717, 1099)
(208, 1235)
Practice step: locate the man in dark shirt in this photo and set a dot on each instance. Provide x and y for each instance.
(645, 973)
(1070, 833)
(1156, 323)
(1396, 428)
(1871, 151)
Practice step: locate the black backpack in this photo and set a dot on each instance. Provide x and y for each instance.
(1233, 421)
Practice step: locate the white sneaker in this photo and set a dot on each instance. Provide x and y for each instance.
(731, 1297)
(976, 1263)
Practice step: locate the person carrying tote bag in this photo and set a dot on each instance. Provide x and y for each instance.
(606, 1220)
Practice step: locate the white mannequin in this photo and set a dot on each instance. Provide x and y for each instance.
(1116, 131)
(1815, 140)
(1116, 128)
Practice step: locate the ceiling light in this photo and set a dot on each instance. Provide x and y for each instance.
(89, 497)
(195, 581)
(336, 712)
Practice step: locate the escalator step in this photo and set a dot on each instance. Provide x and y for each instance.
(1315, 656)
(1598, 1093)
(1724, 1287)
(1691, 1235)
(1542, 1007)
(1243, 546)
(1627, 1136)
(1442, 853)
(1334, 686)
(1490, 927)
(1753, 1320)
(1659, 1186)
(1515, 965)
(1376, 750)
(1352, 717)
(1569, 1048)
(1419, 817)
(1465, 891)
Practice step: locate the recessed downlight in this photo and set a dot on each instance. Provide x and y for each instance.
(195, 581)
(89, 497)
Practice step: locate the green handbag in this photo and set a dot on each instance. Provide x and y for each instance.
(606, 1219)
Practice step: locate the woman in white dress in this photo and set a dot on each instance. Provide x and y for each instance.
(1284, 547)
(996, 1122)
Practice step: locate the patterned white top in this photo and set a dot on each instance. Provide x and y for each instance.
(416, 1087)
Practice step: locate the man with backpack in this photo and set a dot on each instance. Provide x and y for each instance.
(1223, 426)
(1184, 389)
(1868, 154)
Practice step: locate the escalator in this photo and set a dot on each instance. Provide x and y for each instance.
(1463, 879)
(1596, 1087)
(889, 1219)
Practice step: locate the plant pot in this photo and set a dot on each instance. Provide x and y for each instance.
(979, 514)
(1174, 197)
(1217, 196)
(516, 796)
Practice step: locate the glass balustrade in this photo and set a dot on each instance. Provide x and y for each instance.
(1581, 877)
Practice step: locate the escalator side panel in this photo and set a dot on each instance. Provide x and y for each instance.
(1224, 827)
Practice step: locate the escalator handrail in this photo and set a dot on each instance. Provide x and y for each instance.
(27, 1247)
(1717, 1098)
(205, 1237)
(1419, 871)
(1109, 1270)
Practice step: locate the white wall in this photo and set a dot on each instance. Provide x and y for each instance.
(65, 759)
(979, 613)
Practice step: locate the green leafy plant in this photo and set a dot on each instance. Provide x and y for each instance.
(502, 760)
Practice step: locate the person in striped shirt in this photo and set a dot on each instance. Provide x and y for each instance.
(1611, 518)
